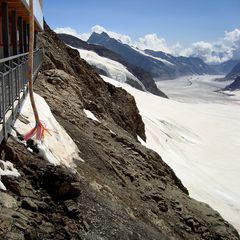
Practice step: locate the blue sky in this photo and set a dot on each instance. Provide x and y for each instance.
(209, 29)
(183, 21)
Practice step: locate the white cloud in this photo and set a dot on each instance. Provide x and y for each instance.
(152, 42)
(73, 32)
(226, 48)
(186, 52)
(98, 29)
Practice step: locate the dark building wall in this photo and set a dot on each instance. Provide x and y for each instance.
(1, 41)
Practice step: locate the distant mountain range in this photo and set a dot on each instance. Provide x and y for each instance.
(149, 65)
(235, 85)
(159, 64)
(225, 67)
(235, 72)
(144, 76)
(181, 66)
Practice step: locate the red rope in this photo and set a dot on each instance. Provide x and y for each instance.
(40, 129)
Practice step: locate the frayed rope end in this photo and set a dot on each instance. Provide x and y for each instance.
(39, 131)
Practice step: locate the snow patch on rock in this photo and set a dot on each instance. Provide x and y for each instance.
(90, 115)
(7, 169)
(57, 147)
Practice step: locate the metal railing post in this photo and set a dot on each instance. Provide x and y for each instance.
(4, 107)
(11, 86)
(1, 103)
(2, 120)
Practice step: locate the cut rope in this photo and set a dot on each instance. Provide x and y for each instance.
(40, 130)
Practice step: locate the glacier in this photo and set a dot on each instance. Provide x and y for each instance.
(199, 141)
(113, 68)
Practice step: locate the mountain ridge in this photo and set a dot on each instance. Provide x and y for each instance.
(184, 65)
(235, 72)
(140, 73)
(225, 67)
(156, 67)
(235, 85)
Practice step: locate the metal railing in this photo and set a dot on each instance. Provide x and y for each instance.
(13, 87)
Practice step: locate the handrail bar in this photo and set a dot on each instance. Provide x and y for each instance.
(15, 56)
(12, 57)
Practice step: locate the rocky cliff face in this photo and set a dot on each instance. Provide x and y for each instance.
(86, 88)
(121, 191)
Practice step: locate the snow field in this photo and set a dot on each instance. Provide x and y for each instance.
(113, 69)
(200, 142)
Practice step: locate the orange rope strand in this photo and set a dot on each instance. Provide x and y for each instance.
(30, 61)
(40, 129)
